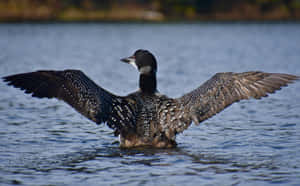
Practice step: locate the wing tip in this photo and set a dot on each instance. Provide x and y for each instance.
(10, 80)
(6, 79)
(288, 76)
(296, 78)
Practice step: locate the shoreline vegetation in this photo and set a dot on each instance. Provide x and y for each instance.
(149, 10)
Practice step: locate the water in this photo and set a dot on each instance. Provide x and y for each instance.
(254, 142)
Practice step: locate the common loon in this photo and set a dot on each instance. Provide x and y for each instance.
(146, 117)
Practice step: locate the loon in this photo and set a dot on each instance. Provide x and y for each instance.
(146, 117)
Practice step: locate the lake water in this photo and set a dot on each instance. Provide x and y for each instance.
(253, 142)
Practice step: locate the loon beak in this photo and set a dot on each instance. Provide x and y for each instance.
(130, 60)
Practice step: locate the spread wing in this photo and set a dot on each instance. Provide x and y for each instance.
(223, 89)
(76, 89)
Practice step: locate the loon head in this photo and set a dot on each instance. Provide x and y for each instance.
(143, 60)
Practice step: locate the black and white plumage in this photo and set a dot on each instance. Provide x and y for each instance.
(146, 117)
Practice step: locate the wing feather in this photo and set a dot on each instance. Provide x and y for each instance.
(223, 89)
(71, 86)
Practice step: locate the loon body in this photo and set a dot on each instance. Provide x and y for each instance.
(146, 117)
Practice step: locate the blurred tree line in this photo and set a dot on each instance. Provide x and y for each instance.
(155, 10)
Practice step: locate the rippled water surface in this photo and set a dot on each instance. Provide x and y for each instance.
(253, 142)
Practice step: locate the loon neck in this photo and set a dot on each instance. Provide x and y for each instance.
(148, 83)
